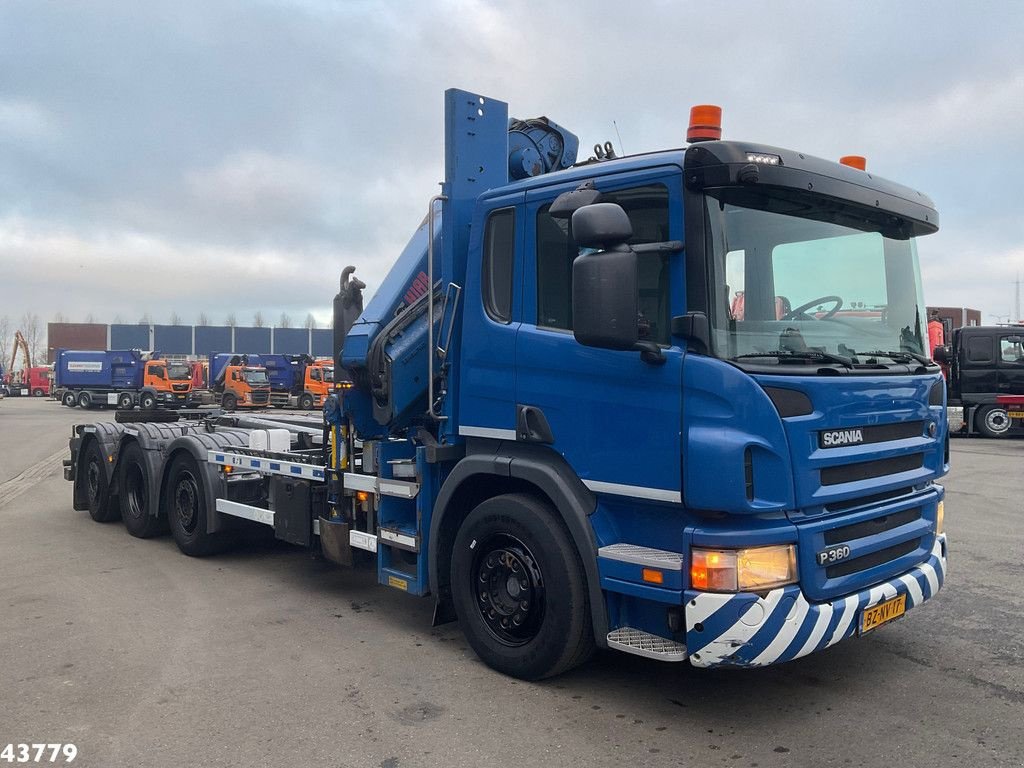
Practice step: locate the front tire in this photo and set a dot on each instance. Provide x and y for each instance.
(306, 402)
(97, 489)
(519, 589)
(229, 402)
(148, 401)
(133, 489)
(186, 504)
(37, 393)
(993, 421)
(125, 401)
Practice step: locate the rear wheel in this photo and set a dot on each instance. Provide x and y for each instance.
(519, 589)
(187, 510)
(84, 400)
(97, 489)
(125, 401)
(133, 489)
(993, 421)
(69, 399)
(148, 401)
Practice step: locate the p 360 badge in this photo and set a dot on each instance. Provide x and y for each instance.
(833, 555)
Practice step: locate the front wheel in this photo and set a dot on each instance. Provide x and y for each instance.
(993, 421)
(37, 393)
(519, 588)
(148, 401)
(229, 402)
(306, 402)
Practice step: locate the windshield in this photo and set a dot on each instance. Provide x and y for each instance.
(255, 376)
(802, 285)
(179, 372)
(328, 374)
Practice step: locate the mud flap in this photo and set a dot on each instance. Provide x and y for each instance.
(334, 542)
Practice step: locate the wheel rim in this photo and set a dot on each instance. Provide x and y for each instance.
(92, 479)
(997, 420)
(186, 502)
(69, 400)
(135, 491)
(509, 589)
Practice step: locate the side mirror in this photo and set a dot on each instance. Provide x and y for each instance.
(605, 299)
(601, 225)
(941, 355)
(567, 203)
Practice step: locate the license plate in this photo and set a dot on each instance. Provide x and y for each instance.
(882, 613)
(1015, 414)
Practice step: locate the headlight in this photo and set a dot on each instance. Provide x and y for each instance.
(743, 570)
(940, 518)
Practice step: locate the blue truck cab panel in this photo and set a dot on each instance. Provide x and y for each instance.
(756, 479)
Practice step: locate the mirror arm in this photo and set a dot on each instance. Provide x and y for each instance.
(650, 352)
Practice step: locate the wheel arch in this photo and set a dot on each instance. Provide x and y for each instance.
(492, 468)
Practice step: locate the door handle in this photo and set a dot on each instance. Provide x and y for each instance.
(532, 425)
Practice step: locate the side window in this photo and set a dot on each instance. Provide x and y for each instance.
(1011, 349)
(647, 208)
(979, 349)
(499, 253)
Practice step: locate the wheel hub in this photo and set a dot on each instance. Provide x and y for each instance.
(510, 590)
(186, 503)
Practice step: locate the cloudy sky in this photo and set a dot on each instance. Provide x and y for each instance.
(216, 157)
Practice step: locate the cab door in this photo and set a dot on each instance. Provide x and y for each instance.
(491, 320)
(1011, 364)
(615, 418)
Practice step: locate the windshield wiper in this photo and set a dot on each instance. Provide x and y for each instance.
(900, 356)
(805, 354)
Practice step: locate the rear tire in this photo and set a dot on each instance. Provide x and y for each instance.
(97, 488)
(84, 400)
(187, 510)
(125, 401)
(519, 589)
(133, 489)
(993, 421)
(69, 400)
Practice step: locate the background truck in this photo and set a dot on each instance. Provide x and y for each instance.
(552, 423)
(985, 377)
(121, 378)
(238, 381)
(298, 381)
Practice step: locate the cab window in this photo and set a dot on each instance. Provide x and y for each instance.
(499, 253)
(647, 208)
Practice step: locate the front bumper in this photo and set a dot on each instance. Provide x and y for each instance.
(747, 630)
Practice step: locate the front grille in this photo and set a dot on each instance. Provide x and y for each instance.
(180, 387)
(880, 433)
(870, 561)
(260, 398)
(872, 526)
(863, 501)
(865, 470)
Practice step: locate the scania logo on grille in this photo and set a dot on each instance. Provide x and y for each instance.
(837, 437)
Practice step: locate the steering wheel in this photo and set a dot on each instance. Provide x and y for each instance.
(793, 314)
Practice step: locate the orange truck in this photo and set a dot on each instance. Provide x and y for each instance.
(298, 381)
(239, 382)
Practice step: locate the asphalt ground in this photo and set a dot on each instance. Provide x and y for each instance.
(141, 656)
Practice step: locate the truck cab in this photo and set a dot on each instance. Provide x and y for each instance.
(986, 377)
(244, 386)
(171, 382)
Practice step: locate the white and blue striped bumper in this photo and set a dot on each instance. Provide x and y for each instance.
(746, 630)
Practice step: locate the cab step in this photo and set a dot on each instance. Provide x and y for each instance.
(643, 643)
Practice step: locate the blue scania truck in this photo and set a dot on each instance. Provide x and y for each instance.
(674, 404)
